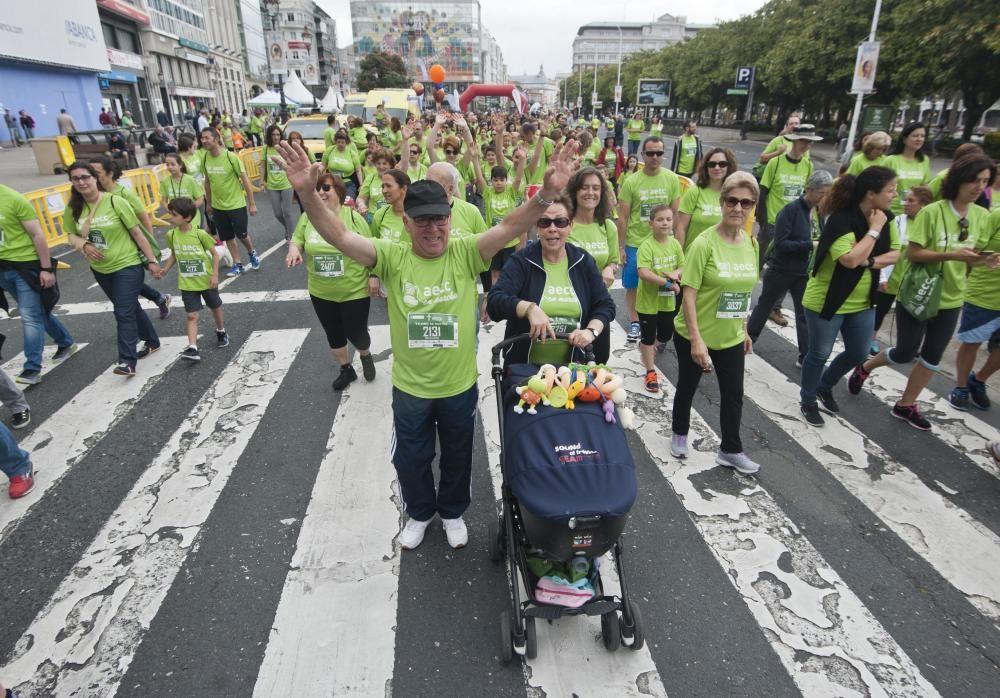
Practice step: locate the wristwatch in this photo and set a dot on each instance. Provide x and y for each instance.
(596, 333)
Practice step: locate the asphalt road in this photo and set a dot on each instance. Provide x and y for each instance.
(227, 529)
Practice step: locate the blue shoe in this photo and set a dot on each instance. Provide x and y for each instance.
(254, 261)
(977, 393)
(235, 270)
(874, 348)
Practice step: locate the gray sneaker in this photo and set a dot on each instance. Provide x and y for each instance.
(740, 462)
(679, 446)
(63, 353)
(27, 377)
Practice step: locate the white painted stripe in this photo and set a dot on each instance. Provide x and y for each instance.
(334, 630)
(93, 285)
(265, 254)
(963, 431)
(962, 550)
(84, 639)
(15, 365)
(812, 619)
(58, 443)
(571, 657)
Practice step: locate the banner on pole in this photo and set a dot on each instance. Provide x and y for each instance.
(864, 68)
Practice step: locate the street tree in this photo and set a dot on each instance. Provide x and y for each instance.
(381, 70)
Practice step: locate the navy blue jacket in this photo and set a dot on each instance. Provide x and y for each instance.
(791, 242)
(523, 279)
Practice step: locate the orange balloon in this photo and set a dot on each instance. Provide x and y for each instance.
(436, 73)
(439, 96)
(418, 87)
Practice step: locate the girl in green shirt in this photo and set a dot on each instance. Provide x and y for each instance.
(279, 189)
(339, 287)
(178, 183)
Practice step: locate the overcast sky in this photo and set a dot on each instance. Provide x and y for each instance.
(533, 33)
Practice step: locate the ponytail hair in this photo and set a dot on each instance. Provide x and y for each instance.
(849, 191)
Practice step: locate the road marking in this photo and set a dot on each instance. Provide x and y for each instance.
(267, 253)
(15, 365)
(820, 630)
(334, 630)
(84, 639)
(58, 443)
(571, 657)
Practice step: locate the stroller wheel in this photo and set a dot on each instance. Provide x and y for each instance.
(507, 639)
(493, 536)
(610, 632)
(634, 638)
(530, 639)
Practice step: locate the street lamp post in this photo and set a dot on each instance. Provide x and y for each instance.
(273, 8)
(593, 109)
(618, 82)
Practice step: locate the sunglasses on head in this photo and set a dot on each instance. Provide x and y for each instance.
(733, 202)
(718, 163)
(324, 187)
(963, 229)
(545, 222)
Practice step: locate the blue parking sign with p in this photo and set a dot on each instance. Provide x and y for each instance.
(744, 77)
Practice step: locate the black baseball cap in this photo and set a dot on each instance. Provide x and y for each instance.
(426, 198)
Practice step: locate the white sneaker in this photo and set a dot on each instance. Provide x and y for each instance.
(679, 445)
(458, 534)
(412, 534)
(740, 462)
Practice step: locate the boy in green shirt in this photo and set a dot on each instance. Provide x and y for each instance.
(659, 260)
(193, 251)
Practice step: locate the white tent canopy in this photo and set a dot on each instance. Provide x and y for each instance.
(270, 98)
(297, 91)
(331, 101)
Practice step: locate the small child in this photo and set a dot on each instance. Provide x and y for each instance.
(192, 250)
(659, 260)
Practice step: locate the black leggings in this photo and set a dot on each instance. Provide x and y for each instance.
(927, 339)
(883, 304)
(728, 367)
(342, 321)
(656, 326)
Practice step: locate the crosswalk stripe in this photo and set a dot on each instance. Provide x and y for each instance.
(86, 636)
(571, 659)
(819, 617)
(963, 431)
(333, 633)
(59, 442)
(15, 365)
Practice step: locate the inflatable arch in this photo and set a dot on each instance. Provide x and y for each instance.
(492, 91)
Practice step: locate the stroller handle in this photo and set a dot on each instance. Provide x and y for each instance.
(588, 352)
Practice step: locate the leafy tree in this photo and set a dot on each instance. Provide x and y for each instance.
(381, 70)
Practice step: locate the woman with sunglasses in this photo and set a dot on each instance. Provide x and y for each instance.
(945, 235)
(338, 286)
(387, 223)
(344, 161)
(857, 241)
(414, 166)
(105, 230)
(720, 271)
(548, 288)
(701, 207)
(452, 149)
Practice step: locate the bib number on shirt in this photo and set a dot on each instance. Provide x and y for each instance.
(563, 325)
(792, 191)
(646, 209)
(328, 265)
(432, 330)
(665, 293)
(97, 239)
(733, 305)
(3, 237)
(191, 267)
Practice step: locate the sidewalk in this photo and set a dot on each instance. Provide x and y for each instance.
(19, 171)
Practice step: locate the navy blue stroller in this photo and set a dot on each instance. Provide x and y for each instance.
(568, 483)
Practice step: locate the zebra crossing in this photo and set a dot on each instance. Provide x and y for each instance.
(845, 568)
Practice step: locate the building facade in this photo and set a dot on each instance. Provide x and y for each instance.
(254, 47)
(125, 87)
(50, 60)
(604, 42)
(292, 42)
(327, 58)
(225, 61)
(494, 68)
(538, 88)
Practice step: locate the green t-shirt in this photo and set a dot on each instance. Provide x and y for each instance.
(130, 196)
(724, 276)
(859, 163)
(643, 192)
(656, 129)
(187, 187)
(984, 284)
(192, 251)
(342, 162)
(660, 258)
(909, 174)
(818, 285)
(432, 325)
(391, 139)
(610, 161)
(936, 229)
(256, 125)
(772, 145)
(359, 137)
(635, 127)
(466, 221)
(785, 181)
(194, 164)
(15, 243)
(109, 232)
(705, 208)
(537, 176)
(600, 241)
(499, 205)
(332, 275)
(593, 152)
(329, 136)
(417, 173)
(276, 180)
(224, 175)
(373, 189)
(689, 152)
(388, 225)
(560, 303)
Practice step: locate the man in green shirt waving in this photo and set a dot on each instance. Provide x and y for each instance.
(432, 330)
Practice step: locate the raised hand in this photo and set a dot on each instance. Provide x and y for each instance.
(302, 172)
(561, 168)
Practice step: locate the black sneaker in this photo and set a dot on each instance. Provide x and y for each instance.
(977, 393)
(221, 339)
(911, 415)
(346, 377)
(63, 353)
(368, 367)
(124, 369)
(959, 398)
(191, 354)
(811, 413)
(145, 350)
(827, 400)
(21, 419)
(27, 377)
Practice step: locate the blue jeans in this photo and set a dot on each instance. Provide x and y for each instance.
(13, 459)
(416, 421)
(34, 322)
(122, 289)
(855, 328)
